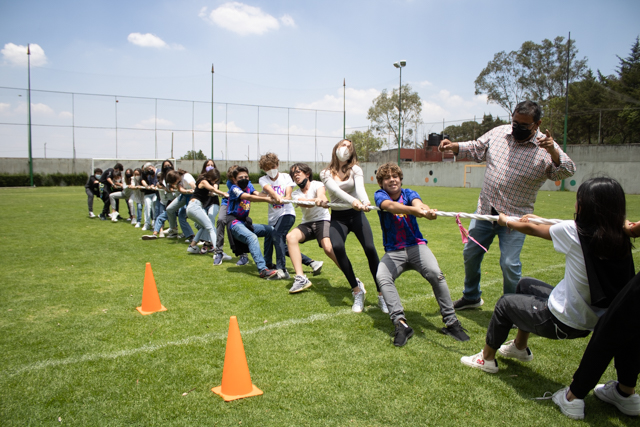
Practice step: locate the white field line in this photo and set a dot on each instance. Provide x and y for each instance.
(213, 337)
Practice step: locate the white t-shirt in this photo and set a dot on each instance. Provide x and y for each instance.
(311, 213)
(570, 300)
(345, 191)
(188, 182)
(279, 185)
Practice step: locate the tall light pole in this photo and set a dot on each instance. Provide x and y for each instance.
(400, 65)
(29, 110)
(212, 111)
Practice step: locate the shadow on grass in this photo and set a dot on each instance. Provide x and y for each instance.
(335, 295)
(479, 317)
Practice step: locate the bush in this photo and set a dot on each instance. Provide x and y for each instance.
(43, 180)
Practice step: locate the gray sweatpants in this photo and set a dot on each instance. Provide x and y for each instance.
(421, 259)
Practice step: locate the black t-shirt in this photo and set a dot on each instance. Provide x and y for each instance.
(93, 184)
(109, 173)
(151, 179)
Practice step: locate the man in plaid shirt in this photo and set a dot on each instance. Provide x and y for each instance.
(519, 160)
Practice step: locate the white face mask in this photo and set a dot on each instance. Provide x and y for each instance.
(343, 153)
(272, 173)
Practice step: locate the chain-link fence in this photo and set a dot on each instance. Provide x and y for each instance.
(68, 124)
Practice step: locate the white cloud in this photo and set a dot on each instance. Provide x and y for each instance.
(36, 109)
(17, 54)
(358, 101)
(424, 83)
(65, 115)
(220, 127)
(4, 107)
(151, 40)
(449, 106)
(244, 19)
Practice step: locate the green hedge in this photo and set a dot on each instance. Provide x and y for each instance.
(43, 180)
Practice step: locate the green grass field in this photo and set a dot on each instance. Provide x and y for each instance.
(74, 350)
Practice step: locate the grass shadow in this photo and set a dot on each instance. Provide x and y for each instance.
(335, 295)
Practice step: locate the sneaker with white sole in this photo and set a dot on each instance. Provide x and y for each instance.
(171, 234)
(300, 284)
(382, 304)
(92, 215)
(146, 227)
(161, 234)
(244, 260)
(281, 275)
(193, 249)
(150, 237)
(361, 285)
(358, 301)
(477, 361)
(217, 259)
(138, 225)
(573, 409)
(226, 257)
(510, 350)
(608, 393)
(134, 223)
(267, 273)
(316, 266)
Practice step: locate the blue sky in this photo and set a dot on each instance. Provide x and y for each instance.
(271, 53)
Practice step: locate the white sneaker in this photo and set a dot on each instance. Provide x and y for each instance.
(608, 393)
(509, 349)
(134, 222)
(92, 215)
(114, 218)
(361, 285)
(316, 266)
(138, 225)
(573, 409)
(382, 304)
(300, 284)
(161, 234)
(226, 257)
(146, 227)
(193, 249)
(358, 302)
(477, 361)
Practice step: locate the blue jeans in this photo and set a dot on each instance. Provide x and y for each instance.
(161, 211)
(511, 242)
(178, 206)
(198, 214)
(244, 235)
(139, 213)
(279, 236)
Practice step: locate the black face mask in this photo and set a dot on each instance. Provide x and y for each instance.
(243, 183)
(520, 134)
(303, 183)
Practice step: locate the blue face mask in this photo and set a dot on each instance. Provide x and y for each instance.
(98, 176)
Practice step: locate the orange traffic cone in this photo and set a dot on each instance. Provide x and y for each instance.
(236, 380)
(150, 298)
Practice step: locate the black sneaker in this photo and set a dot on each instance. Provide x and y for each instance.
(103, 217)
(463, 303)
(456, 331)
(402, 334)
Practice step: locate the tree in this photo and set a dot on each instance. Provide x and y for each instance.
(365, 143)
(192, 155)
(383, 114)
(468, 131)
(535, 71)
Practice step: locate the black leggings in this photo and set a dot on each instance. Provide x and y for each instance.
(617, 337)
(342, 223)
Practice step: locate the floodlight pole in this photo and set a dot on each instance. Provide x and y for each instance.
(29, 112)
(566, 104)
(212, 111)
(344, 108)
(400, 65)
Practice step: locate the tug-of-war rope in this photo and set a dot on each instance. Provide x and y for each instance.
(457, 215)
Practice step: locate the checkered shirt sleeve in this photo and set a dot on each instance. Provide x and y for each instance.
(515, 171)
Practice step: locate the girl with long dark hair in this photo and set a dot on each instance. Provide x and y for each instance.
(598, 265)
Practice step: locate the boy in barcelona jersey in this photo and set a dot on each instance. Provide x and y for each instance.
(406, 249)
